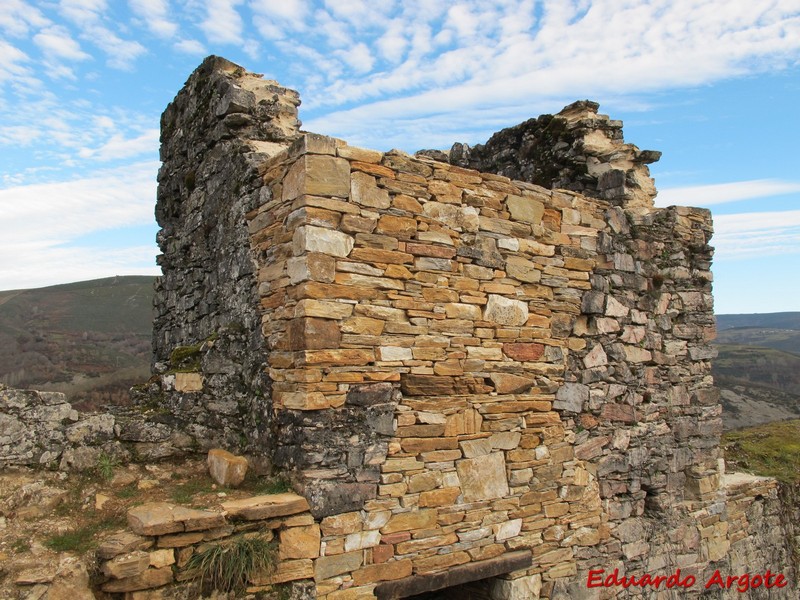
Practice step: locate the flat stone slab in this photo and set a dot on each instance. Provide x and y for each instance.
(161, 518)
(266, 507)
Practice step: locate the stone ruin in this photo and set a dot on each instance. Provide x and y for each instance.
(486, 370)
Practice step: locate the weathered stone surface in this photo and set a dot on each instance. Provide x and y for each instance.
(521, 588)
(225, 468)
(309, 238)
(525, 208)
(265, 507)
(122, 543)
(127, 565)
(571, 397)
(317, 176)
(151, 578)
(330, 566)
(483, 477)
(506, 383)
(364, 191)
(300, 542)
(505, 311)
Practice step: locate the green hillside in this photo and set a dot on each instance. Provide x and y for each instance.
(772, 450)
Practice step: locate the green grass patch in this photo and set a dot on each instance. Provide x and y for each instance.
(184, 492)
(230, 566)
(772, 450)
(20, 546)
(277, 484)
(82, 539)
(128, 491)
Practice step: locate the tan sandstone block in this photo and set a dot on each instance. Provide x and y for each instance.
(317, 175)
(396, 569)
(266, 507)
(483, 477)
(420, 519)
(226, 468)
(300, 542)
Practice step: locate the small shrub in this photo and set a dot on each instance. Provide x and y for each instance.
(20, 546)
(106, 465)
(229, 567)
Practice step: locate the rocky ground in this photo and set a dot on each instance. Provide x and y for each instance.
(51, 521)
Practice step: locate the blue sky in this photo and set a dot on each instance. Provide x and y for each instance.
(713, 84)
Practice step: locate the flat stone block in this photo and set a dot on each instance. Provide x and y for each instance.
(266, 507)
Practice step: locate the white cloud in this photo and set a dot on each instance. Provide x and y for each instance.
(282, 13)
(222, 24)
(12, 67)
(118, 147)
(17, 18)
(56, 42)
(359, 58)
(83, 12)
(721, 193)
(755, 235)
(63, 212)
(515, 52)
(190, 47)
(155, 14)
(121, 53)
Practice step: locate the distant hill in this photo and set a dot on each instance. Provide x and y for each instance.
(781, 320)
(89, 339)
(758, 368)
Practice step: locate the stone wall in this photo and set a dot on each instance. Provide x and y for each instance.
(577, 149)
(42, 429)
(215, 135)
(157, 550)
(467, 376)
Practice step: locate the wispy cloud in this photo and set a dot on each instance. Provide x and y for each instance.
(156, 14)
(223, 23)
(524, 51)
(721, 193)
(65, 211)
(56, 42)
(760, 234)
(120, 147)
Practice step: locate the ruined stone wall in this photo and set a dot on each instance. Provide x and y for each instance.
(215, 135)
(465, 372)
(577, 149)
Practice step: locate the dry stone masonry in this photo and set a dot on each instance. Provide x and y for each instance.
(487, 368)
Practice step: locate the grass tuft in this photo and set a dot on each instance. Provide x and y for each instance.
(105, 465)
(229, 567)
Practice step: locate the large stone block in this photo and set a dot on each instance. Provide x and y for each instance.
(225, 468)
(505, 311)
(300, 542)
(317, 175)
(483, 477)
(310, 238)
